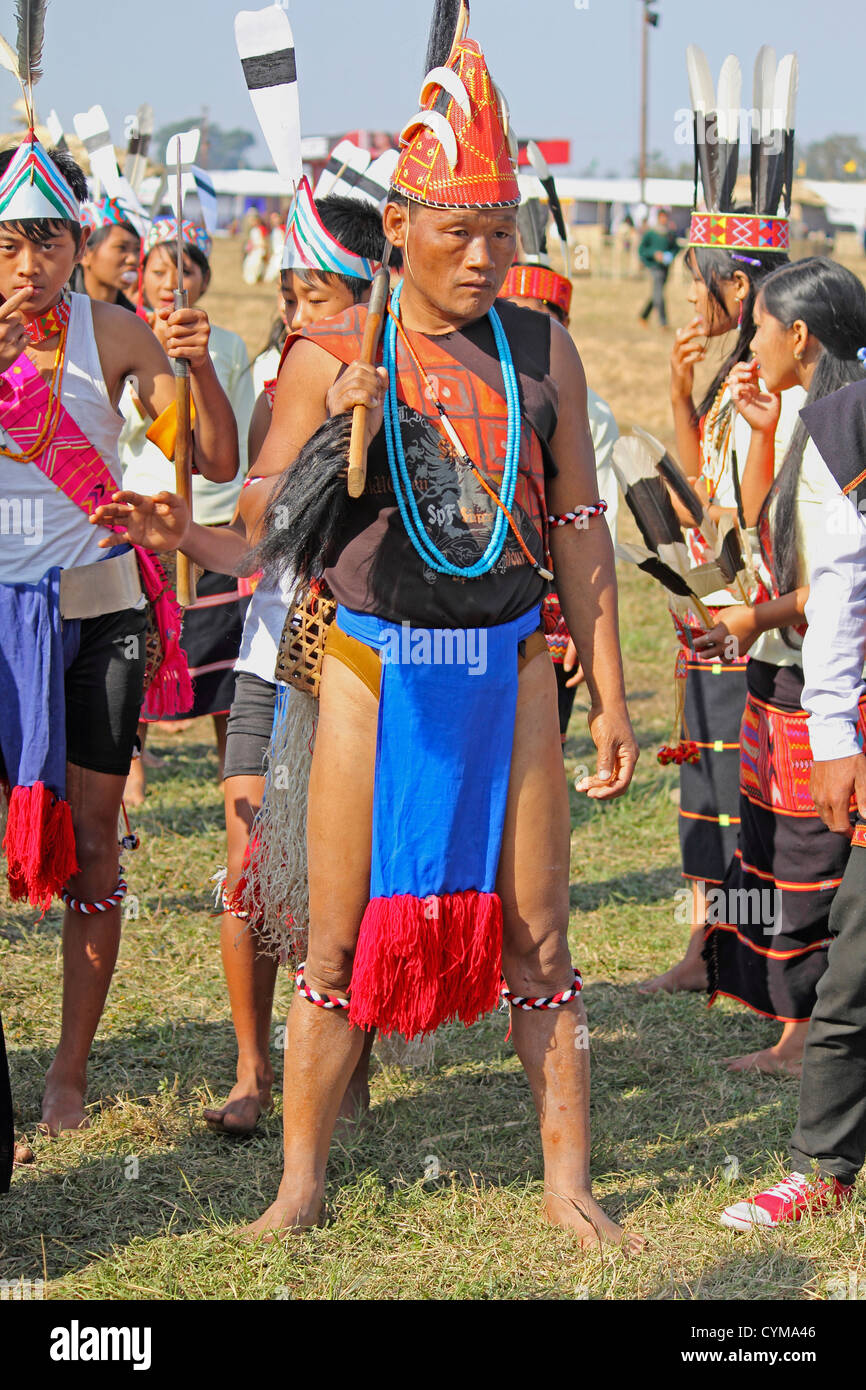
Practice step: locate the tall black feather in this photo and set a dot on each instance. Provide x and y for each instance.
(728, 177)
(789, 170)
(532, 227)
(443, 28)
(708, 158)
(730, 556)
(305, 517)
(31, 37)
(755, 168)
(679, 485)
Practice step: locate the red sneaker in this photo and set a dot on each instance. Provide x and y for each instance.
(789, 1200)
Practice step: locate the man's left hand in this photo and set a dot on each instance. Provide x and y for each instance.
(618, 753)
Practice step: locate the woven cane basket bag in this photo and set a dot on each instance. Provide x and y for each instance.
(302, 645)
(152, 640)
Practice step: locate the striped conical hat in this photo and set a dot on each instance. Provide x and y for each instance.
(310, 246)
(457, 151)
(105, 212)
(32, 187)
(163, 230)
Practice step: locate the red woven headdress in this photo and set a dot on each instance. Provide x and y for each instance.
(457, 152)
(538, 282)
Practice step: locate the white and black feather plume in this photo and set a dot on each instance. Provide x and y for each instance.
(774, 103)
(728, 102)
(31, 38)
(703, 100)
(266, 49)
(139, 129)
(25, 60)
(532, 218)
(548, 183)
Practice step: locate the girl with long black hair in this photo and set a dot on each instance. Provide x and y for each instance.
(726, 467)
(767, 938)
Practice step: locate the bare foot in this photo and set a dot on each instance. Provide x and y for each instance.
(62, 1107)
(241, 1112)
(685, 975)
(289, 1213)
(583, 1215)
(136, 783)
(767, 1060)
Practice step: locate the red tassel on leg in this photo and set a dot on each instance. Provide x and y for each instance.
(39, 844)
(422, 961)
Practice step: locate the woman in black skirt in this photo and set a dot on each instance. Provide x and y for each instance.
(767, 926)
(714, 445)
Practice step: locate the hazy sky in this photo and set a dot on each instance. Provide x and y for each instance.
(568, 67)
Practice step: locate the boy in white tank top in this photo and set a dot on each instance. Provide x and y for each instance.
(74, 357)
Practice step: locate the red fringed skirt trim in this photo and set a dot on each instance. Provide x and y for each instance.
(39, 844)
(423, 961)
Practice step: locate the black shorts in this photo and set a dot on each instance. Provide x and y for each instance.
(249, 726)
(103, 691)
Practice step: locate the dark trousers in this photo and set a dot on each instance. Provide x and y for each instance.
(656, 300)
(831, 1130)
(7, 1132)
(565, 696)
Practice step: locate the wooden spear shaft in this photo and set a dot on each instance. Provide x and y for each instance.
(183, 444)
(376, 310)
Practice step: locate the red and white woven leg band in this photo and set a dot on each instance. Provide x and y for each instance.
(242, 916)
(580, 516)
(103, 905)
(324, 1001)
(553, 1001)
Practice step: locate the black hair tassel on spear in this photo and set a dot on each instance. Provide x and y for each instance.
(449, 22)
(306, 515)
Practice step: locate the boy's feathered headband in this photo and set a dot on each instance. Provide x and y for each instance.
(32, 187)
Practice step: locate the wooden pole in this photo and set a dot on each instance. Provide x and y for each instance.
(644, 85)
(376, 310)
(183, 442)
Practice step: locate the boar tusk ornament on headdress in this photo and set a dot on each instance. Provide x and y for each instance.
(457, 150)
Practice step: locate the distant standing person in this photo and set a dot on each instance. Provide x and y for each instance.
(657, 249)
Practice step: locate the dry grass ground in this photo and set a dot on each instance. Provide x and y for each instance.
(142, 1204)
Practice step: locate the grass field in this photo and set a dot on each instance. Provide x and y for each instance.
(142, 1204)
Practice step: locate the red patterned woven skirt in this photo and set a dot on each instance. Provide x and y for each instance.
(766, 939)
